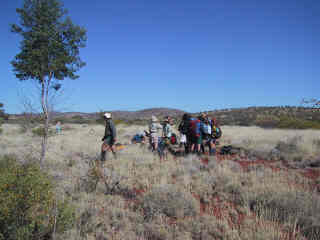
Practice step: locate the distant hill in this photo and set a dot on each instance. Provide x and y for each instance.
(126, 115)
(269, 117)
(121, 116)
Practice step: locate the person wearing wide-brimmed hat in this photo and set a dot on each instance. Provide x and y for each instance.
(154, 128)
(167, 128)
(109, 137)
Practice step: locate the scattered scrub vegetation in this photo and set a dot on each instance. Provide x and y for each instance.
(225, 197)
(28, 206)
(40, 131)
(3, 116)
(170, 201)
(271, 117)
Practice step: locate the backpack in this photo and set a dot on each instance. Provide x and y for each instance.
(216, 132)
(229, 150)
(173, 139)
(195, 127)
(184, 126)
(137, 138)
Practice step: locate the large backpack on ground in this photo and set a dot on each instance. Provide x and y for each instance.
(137, 138)
(229, 150)
(195, 127)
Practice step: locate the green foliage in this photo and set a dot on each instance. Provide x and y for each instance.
(49, 50)
(40, 131)
(50, 45)
(3, 116)
(28, 207)
(289, 122)
(78, 120)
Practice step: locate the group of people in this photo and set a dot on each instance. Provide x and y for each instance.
(196, 133)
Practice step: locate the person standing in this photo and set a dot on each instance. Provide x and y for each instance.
(184, 129)
(167, 128)
(58, 127)
(109, 137)
(196, 135)
(166, 137)
(154, 128)
(207, 137)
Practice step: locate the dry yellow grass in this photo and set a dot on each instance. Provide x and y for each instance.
(127, 191)
(267, 139)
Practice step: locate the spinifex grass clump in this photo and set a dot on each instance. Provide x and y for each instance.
(170, 201)
(28, 206)
(293, 206)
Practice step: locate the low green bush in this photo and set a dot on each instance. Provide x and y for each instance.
(29, 208)
(39, 131)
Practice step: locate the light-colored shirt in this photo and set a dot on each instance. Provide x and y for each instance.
(206, 128)
(167, 130)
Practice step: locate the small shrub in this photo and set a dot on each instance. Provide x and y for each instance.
(169, 201)
(316, 143)
(39, 131)
(284, 207)
(290, 146)
(1, 130)
(28, 207)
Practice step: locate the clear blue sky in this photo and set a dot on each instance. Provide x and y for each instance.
(185, 54)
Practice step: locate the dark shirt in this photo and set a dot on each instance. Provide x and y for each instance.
(110, 129)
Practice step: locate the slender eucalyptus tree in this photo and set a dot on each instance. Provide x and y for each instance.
(49, 51)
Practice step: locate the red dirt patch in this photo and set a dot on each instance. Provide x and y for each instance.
(311, 173)
(138, 191)
(205, 161)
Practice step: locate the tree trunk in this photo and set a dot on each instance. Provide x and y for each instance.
(45, 109)
(44, 139)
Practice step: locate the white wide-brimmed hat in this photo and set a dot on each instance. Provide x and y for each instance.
(107, 115)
